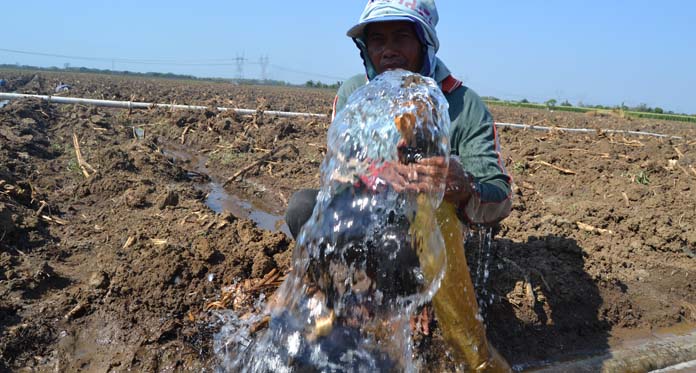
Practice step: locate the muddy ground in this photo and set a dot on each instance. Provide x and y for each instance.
(109, 262)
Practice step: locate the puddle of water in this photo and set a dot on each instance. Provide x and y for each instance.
(218, 199)
(3, 103)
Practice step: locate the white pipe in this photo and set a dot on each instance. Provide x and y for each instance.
(585, 130)
(147, 105)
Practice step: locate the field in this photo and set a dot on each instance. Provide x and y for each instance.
(109, 259)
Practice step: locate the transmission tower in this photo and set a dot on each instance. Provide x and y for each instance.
(240, 66)
(263, 61)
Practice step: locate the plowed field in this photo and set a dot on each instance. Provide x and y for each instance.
(107, 262)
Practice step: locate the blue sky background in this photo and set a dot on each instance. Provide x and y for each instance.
(596, 52)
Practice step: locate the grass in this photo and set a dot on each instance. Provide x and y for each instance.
(642, 177)
(575, 109)
(519, 167)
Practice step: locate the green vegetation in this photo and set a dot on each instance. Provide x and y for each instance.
(519, 167)
(318, 84)
(642, 178)
(640, 111)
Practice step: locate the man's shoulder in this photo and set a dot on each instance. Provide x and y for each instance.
(466, 105)
(465, 95)
(351, 84)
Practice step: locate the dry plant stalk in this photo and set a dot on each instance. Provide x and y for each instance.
(263, 159)
(80, 161)
(128, 243)
(272, 279)
(602, 155)
(53, 219)
(589, 228)
(76, 311)
(625, 196)
(41, 208)
(627, 142)
(183, 134)
(561, 169)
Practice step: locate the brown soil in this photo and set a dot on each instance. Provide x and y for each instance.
(113, 271)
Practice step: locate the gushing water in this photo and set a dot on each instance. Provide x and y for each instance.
(369, 254)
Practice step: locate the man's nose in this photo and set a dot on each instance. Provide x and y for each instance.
(390, 49)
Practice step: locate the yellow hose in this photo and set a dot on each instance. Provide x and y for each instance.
(455, 303)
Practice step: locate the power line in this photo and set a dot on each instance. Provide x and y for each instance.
(237, 62)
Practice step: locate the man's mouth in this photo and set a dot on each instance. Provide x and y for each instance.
(393, 65)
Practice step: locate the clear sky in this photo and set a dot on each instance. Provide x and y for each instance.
(597, 52)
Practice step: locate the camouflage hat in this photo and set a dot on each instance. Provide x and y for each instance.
(421, 12)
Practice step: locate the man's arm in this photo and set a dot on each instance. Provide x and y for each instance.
(345, 90)
(475, 140)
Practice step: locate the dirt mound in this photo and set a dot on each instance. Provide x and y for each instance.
(108, 260)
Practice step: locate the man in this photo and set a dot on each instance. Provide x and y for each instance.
(400, 34)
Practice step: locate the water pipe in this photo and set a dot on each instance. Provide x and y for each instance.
(583, 130)
(148, 105)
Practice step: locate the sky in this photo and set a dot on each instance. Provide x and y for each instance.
(593, 52)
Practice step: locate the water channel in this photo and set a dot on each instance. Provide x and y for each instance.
(217, 198)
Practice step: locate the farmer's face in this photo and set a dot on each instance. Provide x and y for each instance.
(394, 45)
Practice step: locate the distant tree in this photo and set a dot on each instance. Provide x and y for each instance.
(659, 110)
(524, 101)
(310, 84)
(551, 103)
(643, 108)
(566, 103)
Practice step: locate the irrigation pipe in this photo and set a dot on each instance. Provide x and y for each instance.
(584, 130)
(148, 105)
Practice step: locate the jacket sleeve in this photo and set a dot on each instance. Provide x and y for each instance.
(475, 140)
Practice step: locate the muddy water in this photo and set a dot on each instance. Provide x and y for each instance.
(667, 349)
(218, 199)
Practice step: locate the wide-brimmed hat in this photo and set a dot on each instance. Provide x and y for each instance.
(421, 12)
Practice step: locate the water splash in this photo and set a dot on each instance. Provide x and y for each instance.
(483, 237)
(369, 255)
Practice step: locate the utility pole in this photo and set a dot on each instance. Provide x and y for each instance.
(240, 66)
(263, 61)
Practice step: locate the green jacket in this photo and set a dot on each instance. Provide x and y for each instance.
(473, 137)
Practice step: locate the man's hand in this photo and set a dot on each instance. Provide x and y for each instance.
(427, 174)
